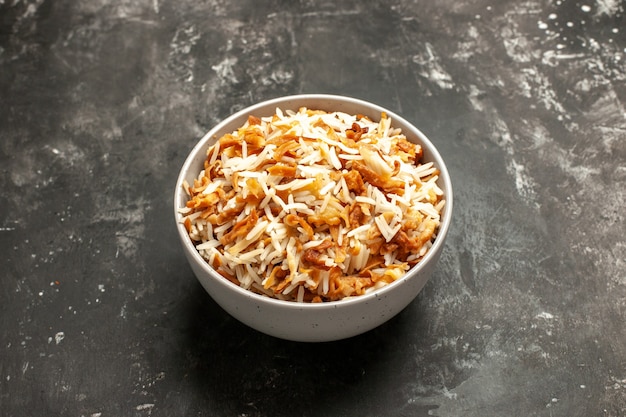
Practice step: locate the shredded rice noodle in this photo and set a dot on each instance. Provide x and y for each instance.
(312, 206)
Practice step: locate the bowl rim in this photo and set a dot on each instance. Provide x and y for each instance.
(424, 140)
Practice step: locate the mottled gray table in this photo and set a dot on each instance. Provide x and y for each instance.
(100, 101)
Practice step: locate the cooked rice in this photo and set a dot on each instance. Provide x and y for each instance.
(312, 206)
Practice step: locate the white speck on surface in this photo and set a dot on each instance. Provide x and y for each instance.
(59, 337)
(142, 407)
(544, 315)
(448, 394)
(322, 13)
(517, 45)
(184, 39)
(278, 77)
(474, 98)
(224, 70)
(585, 8)
(607, 7)
(430, 68)
(524, 183)
(31, 9)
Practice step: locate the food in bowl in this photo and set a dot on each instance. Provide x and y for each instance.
(313, 206)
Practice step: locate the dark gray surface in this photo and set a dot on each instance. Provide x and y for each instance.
(101, 100)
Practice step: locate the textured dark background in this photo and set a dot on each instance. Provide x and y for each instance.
(100, 101)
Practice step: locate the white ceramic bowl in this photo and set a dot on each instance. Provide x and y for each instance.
(312, 322)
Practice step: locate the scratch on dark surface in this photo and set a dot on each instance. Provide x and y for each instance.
(466, 261)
